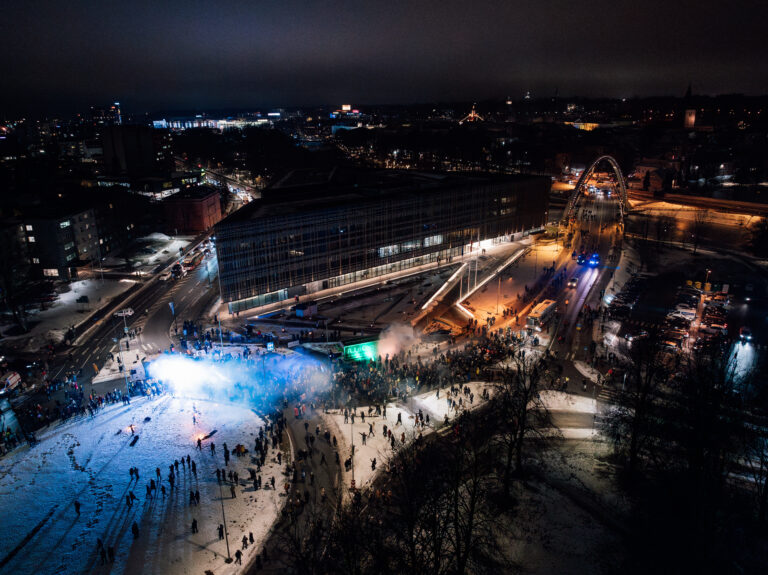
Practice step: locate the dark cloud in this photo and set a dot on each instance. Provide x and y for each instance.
(61, 56)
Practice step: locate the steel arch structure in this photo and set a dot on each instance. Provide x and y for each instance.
(574, 199)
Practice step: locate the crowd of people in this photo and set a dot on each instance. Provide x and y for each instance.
(402, 374)
(76, 404)
(188, 474)
(9, 440)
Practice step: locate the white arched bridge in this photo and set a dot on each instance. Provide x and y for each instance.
(577, 193)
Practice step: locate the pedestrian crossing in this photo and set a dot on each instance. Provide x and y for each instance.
(608, 394)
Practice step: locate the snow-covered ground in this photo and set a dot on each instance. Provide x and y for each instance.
(111, 370)
(437, 407)
(379, 448)
(554, 400)
(89, 460)
(163, 250)
(167, 247)
(65, 312)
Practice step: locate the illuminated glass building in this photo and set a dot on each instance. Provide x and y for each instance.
(315, 230)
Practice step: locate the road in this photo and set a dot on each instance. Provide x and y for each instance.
(190, 295)
(596, 233)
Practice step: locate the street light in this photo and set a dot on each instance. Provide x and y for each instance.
(122, 360)
(124, 313)
(224, 519)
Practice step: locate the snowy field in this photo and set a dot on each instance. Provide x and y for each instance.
(65, 312)
(157, 248)
(89, 461)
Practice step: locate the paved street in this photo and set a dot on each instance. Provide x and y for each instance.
(152, 314)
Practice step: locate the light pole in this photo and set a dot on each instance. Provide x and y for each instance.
(498, 295)
(224, 519)
(124, 313)
(122, 360)
(352, 435)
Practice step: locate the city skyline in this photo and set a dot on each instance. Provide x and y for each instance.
(236, 56)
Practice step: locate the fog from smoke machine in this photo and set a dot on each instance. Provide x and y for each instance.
(396, 338)
(257, 381)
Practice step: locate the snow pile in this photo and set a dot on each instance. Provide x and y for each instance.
(89, 460)
(155, 237)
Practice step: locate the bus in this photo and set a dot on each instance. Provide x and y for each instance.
(191, 261)
(541, 314)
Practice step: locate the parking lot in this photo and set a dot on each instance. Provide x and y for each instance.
(670, 301)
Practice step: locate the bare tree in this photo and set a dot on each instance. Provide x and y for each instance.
(630, 422)
(700, 222)
(436, 517)
(756, 464)
(302, 537)
(518, 409)
(713, 418)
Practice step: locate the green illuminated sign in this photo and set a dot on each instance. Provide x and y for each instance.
(361, 351)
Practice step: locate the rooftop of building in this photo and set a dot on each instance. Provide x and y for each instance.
(192, 193)
(319, 189)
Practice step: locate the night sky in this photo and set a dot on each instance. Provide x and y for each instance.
(63, 56)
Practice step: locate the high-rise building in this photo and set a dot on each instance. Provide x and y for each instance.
(136, 151)
(58, 244)
(315, 230)
(106, 115)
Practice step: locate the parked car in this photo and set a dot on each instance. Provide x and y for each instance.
(632, 336)
(677, 322)
(684, 313)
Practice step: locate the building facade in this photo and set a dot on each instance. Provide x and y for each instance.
(319, 230)
(59, 244)
(194, 209)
